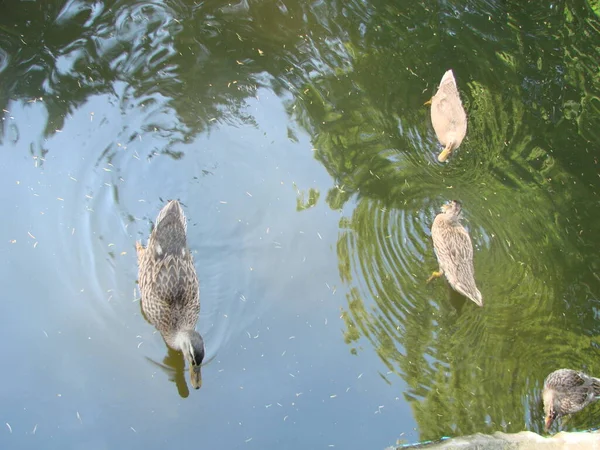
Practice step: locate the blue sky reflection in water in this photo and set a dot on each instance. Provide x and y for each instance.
(294, 134)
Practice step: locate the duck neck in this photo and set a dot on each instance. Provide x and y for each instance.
(178, 341)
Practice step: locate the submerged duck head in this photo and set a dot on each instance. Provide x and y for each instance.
(551, 408)
(191, 345)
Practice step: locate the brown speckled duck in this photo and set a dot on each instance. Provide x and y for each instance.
(454, 252)
(568, 391)
(169, 287)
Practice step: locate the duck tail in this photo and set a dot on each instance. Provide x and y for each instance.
(477, 297)
(448, 78)
(470, 291)
(169, 234)
(173, 211)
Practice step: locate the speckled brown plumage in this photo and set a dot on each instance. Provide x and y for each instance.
(448, 115)
(169, 284)
(568, 391)
(454, 251)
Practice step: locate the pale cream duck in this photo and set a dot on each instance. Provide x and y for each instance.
(448, 116)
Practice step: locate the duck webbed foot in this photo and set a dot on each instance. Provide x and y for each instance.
(435, 275)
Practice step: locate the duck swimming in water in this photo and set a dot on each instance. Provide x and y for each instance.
(169, 287)
(448, 116)
(567, 391)
(454, 252)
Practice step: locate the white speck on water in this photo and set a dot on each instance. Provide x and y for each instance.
(333, 396)
(79, 418)
(292, 337)
(243, 297)
(248, 440)
(133, 429)
(360, 376)
(285, 418)
(140, 344)
(319, 234)
(279, 404)
(249, 335)
(43, 331)
(249, 194)
(292, 375)
(34, 429)
(9, 427)
(284, 352)
(325, 321)
(269, 405)
(347, 389)
(223, 202)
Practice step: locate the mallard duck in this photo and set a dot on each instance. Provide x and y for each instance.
(448, 116)
(169, 287)
(454, 252)
(568, 391)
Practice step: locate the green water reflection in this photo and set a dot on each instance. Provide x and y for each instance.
(201, 99)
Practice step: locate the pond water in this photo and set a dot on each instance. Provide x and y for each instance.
(295, 136)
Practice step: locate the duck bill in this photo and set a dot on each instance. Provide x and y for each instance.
(548, 423)
(195, 376)
(442, 157)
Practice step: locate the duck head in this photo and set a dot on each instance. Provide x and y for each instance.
(191, 345)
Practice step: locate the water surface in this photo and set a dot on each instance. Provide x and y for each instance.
(294, 134)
